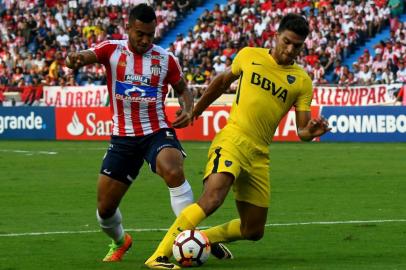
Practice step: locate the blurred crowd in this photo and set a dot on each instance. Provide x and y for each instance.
(36, 36)
(384, 64)
(338, 28)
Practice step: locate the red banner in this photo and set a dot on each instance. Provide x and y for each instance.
(353, 95)
(83, 123)
(96, 124)
(76, 96)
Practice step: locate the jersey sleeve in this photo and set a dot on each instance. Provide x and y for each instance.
(174, 70)
(236, 65)
(304, 99)
(103, 51)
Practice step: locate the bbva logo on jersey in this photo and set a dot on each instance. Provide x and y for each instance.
(268, 85)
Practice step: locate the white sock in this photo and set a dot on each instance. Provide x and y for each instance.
(181, 197)
(112, 226)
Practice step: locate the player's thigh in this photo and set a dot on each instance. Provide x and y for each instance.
(253, 220)
(225, 156)
(169, 165)
(165, 155)
(253, 185)
(123, 160)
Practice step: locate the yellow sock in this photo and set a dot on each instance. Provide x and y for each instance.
(226, 232)
(188, 219)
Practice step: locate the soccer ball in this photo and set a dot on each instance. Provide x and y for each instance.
(191, 248)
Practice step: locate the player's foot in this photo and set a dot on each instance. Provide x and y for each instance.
(116, 251)
(221, 252)
(161, 262)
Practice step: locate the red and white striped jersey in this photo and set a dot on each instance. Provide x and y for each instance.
(137, 86)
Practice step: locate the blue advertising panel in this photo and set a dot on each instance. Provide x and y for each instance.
(27, 123)
(366, 124)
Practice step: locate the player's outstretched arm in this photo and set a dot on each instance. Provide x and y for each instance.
(307, 128)
(184, 115)
(214, 90)
(77, 60)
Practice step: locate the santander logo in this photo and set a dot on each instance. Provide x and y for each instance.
(75, 127)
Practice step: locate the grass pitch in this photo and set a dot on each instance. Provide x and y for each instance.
(334, 206)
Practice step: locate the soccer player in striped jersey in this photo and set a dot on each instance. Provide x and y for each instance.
(270, 84)
(138, 75)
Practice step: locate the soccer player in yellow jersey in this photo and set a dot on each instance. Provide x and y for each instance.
(270, 83)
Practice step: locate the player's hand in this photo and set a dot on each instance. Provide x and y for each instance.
(183, 119)
(195, 114)
(318, 126)
(75, 60)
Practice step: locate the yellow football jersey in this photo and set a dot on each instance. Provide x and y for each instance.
(266, 92)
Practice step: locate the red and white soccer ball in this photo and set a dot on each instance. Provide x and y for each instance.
(191, 248)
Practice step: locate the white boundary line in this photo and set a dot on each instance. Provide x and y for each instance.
(28, 152)
(266, 225)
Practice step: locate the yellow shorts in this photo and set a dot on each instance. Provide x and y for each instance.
(233, 152)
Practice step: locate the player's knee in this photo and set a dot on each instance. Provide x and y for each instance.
(173, 176)
(252, 234)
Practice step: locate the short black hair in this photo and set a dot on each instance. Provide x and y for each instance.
(143, 13)
(295, 23)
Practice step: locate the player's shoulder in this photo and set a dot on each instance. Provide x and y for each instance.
(254, 51)
(109, 43)
(247, 55)
(158, 49)
(298, 69)
(301, 75)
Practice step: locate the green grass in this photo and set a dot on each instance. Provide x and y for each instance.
(315, 182)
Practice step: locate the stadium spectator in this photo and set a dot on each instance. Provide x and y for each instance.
(387, 76)
(141, 74)
(1, 97)
(219, 66)
(183, 6)
(239, 160)
(396, 7)
(365, 75)
(401, 73)
(378, 76)
(378, 63)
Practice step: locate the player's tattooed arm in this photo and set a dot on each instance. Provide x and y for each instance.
(77, 60)
(184, 115)
(214, 90)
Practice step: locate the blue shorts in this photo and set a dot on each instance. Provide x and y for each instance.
(125, 155)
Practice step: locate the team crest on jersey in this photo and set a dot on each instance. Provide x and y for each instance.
(228, 163)
(291, 79)
(156, 70)
(121, 64)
